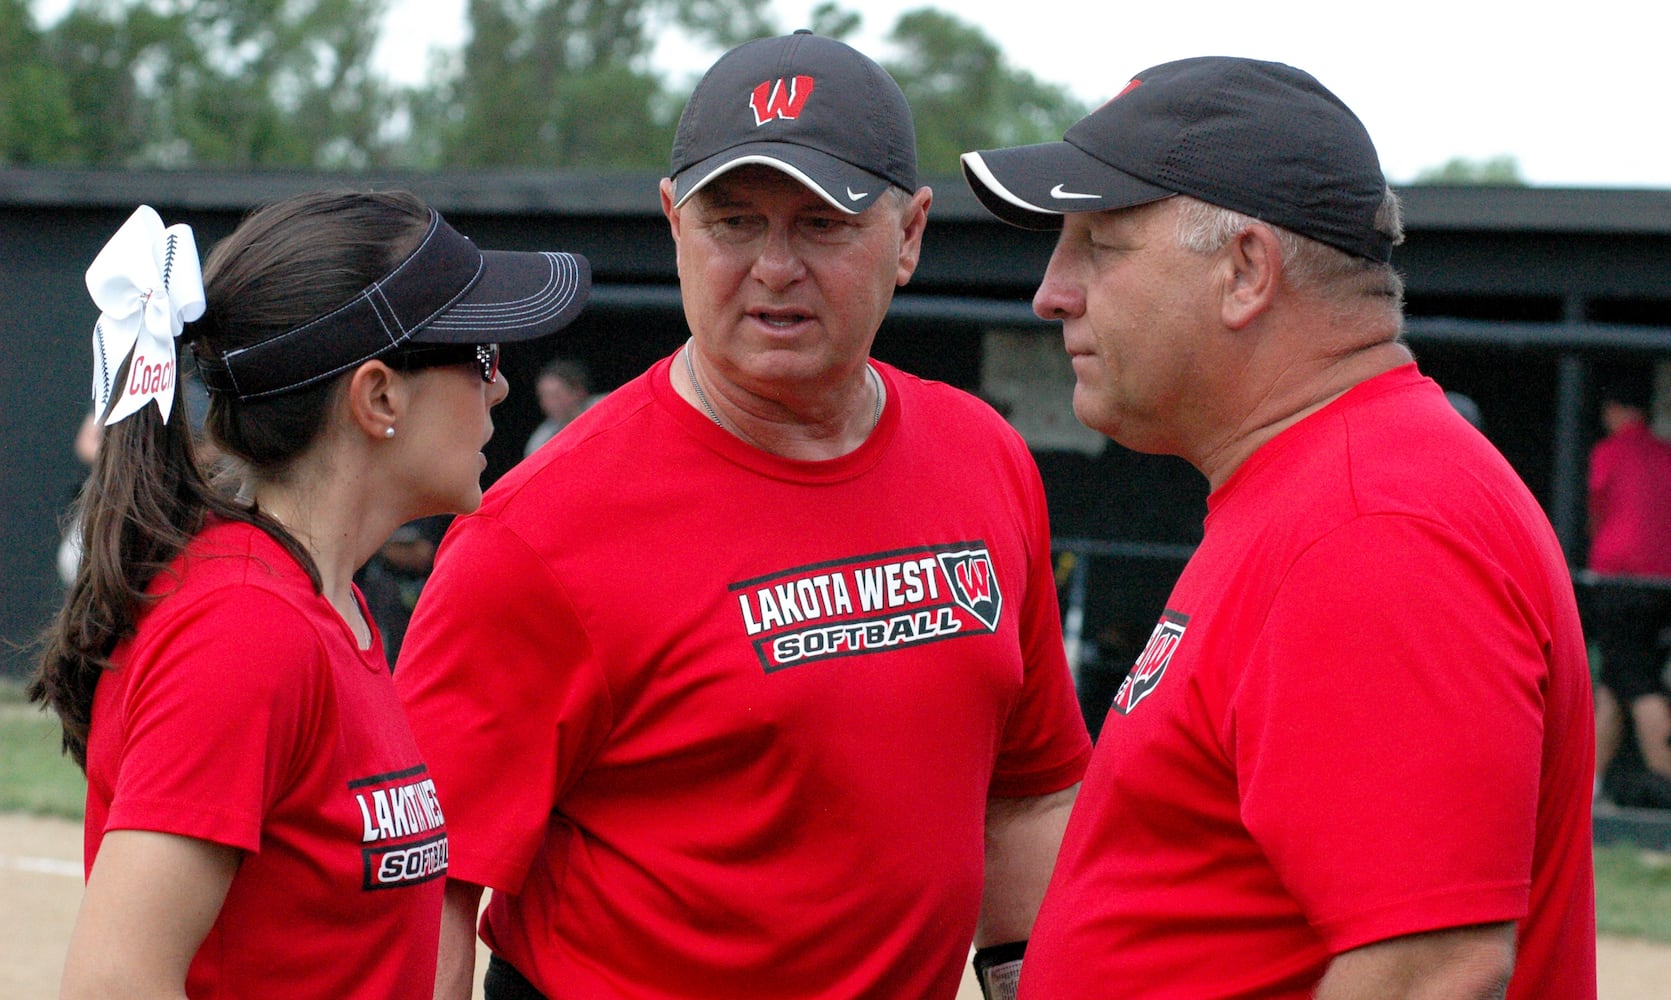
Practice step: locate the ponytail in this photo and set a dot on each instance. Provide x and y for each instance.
(143, 500)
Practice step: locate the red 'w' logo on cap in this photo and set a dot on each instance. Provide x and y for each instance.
(780, 98)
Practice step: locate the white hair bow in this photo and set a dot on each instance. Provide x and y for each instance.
(148, 285)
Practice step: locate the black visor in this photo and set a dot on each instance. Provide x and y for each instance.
(445, 292)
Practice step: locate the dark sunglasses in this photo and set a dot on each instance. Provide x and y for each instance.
(484, 356)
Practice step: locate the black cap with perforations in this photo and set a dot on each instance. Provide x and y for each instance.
(1260, 138)
(815, 108)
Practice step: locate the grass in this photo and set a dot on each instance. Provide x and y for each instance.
(1633, 887)
(1633, 893)
(34, 776)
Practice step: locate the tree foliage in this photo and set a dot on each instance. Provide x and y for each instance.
(541, 84)
(964, 95)
(37, 123)
(235, 83)
(1498, 171)
(569, 83)
(832, 21)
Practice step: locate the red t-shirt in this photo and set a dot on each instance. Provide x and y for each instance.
(1630, 504)
(244, 713)
(1365, 713)
(721, 724)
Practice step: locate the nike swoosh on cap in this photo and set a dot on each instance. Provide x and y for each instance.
(857, 195)
(1058, 192)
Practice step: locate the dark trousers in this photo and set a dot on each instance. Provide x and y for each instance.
(503, 982)
(1625, 621)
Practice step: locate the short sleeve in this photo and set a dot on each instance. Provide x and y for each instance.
(503, 698)
(1388, 734)
(1045, 744)
(220, 709)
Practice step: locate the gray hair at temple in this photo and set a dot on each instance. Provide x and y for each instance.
(1309, 265)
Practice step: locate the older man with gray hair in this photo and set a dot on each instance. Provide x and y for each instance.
(1354, 759)
(751, 683)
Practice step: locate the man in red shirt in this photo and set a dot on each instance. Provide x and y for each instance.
(1354, 758)
(751, 682)
(1630, 604)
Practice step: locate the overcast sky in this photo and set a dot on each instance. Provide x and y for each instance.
(1578, 93)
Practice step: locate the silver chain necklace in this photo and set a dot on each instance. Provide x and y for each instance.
(708, 408)
(701, 396)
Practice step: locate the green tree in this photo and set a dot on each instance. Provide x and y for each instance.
(964, 95)
(1498, 171)
(568, 83)
(236, 83)
(832, 21)
(37, 123)
(556, 84)
(546, 84)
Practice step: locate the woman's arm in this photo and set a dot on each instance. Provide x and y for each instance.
(455, 970)
(150, 901)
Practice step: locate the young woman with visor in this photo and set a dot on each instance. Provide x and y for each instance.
(259, 821)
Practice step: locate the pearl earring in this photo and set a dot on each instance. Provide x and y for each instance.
(388, 432)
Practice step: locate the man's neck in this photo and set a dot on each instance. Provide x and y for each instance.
(1288, 400)
(806, 434)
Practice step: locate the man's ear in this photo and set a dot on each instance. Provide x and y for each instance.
(667, 209)
(1254, 261)
(376, 398)
(913, 221)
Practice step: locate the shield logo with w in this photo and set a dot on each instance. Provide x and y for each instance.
(1152, 662)
(974, 584)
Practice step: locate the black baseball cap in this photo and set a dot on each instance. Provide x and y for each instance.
(815, 108)
(444, 292)
(1260, 138)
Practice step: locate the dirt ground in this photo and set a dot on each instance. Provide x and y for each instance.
(40, 886)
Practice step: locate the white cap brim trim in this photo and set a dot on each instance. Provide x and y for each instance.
(775, 164)
(977, 168)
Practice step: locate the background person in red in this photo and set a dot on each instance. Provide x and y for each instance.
(751, 682)
(1630, 602)
(259, 820)
(1354, 759)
